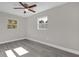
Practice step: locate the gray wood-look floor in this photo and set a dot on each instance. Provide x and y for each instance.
(35, 49)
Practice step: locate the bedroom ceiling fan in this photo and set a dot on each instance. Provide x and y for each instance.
(26, 7)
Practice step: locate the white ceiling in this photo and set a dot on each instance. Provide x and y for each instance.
(41, 6)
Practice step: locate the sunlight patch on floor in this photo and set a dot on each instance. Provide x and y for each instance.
(21, 51)
(10, 53)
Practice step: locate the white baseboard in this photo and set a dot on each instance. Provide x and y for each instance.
(12, 40)
(57, 46)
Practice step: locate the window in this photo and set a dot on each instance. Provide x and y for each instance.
(42, 23)
(12, 24)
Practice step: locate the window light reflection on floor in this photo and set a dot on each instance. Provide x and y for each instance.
(21, 51)
(10, 53)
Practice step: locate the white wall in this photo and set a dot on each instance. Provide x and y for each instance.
(63, 26)
(6, 34)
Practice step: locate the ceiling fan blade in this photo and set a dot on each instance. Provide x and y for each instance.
(32, 10)
(32, 6)
(19, 8)
(21, 3)
(24, 5)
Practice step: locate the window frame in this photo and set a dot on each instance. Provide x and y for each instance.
(38, 24)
